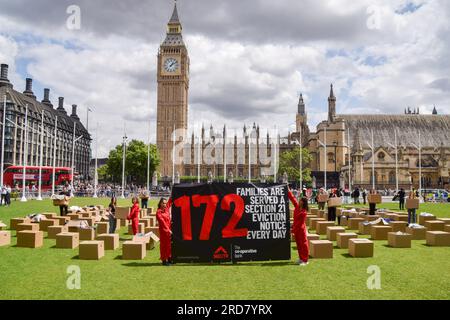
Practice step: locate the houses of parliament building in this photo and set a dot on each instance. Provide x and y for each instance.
(348, 155)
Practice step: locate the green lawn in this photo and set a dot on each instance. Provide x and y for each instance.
(418, 273)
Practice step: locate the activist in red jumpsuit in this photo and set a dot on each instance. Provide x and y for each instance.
(134, 215)
(165, 232)
(299, 228)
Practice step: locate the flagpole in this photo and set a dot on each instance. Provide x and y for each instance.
(25, 156)
(3, 141)
(148, 160)
(225, 156)
(173, 156)
(199, 154)
(96, 163)
(41, 156)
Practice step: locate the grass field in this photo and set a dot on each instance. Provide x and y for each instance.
(418, 273)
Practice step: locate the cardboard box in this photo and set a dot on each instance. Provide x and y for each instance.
(364, 228)
(311, 237)
(321, 249)
(342, 239)
(146, 222)
(91, 221)
(74, 216)
(102, 228)
(446, 220)
(67, 240)
(447, 228)
(91, 250)
(412, 204)
(86, 234)
(321, 226)
(314, 211)
(333, 231)
(2, 226)
(322, 198)
(391, 216)
(360, 248)
(62, 220)
(423, 219)
(292, 237)
(334, 202)
(123, 222)
(134, 250)
(309, 217)
(417, 233)
(374, 198)
(111, 241)
(353, 223)
(45, 223)
(371, 218)
(321, 214)
(15, 221)
(380, 232)
(313, 221)
(399, 240)
(49, 215)
(87, 215)
(5, 238)
(155, 230)
(151, 239)
(52, 231)
(27, 226)
(30, 239)
(141, 228)
(435, 225)
(398, 226)
(343, 221)
(122, 212)
(401, 217)
(438, 238)
(143, 213)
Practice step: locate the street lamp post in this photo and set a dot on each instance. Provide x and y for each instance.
(3, 141)
(25, 156)
(372, 148)
(41, 155)
(249, 159)
(96, 163)
(324, 145)
(54, 155)
(148, 162)
(123, 166)
(419, 148)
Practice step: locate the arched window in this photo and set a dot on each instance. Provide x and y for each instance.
(392, 177)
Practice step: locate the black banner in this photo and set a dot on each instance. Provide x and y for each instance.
(230, 222)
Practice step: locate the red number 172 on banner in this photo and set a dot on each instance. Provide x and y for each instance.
(211, 202)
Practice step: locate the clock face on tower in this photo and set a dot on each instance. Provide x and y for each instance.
(171, 65)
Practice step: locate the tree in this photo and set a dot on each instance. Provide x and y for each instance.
(290, 163)
(135, 162)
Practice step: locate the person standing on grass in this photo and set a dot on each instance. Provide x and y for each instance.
(299, 227)
(332, 210)
(112, 215)
(401, 197)
(64, 209)
(144, 199)
(412, 212)
(134, 215)
(372, 206)
(165, 232)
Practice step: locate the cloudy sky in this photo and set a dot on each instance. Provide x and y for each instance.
(250, 59)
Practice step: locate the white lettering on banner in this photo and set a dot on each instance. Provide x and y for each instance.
(27, 176)
(268, 209)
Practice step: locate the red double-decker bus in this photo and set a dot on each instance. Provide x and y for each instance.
(13, 176)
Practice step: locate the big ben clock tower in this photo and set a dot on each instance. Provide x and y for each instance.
(173, 87)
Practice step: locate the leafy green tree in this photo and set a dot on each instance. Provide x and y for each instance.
(135, 162)
(290, 163)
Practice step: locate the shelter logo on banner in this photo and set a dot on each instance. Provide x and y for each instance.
(230, 222)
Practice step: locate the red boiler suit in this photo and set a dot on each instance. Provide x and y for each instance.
(134, 217)
(299, 229)
(164, 221)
